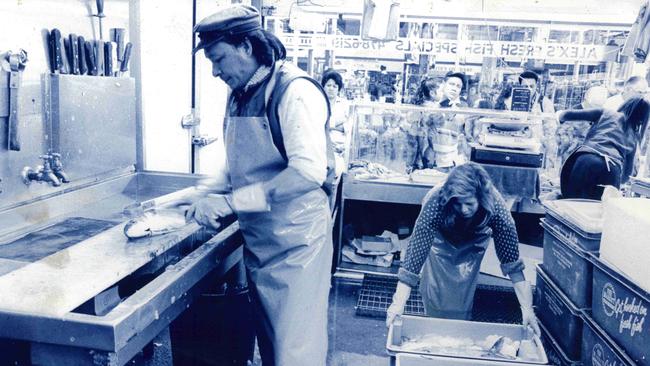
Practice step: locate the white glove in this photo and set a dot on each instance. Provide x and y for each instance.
(525, 296)
(251, 198)
(207, 211)
(399, 302)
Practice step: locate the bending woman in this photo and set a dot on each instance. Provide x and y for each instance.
(449, 240)
(606, 157)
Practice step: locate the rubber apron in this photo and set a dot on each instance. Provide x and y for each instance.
(287, 251)
(450, 275)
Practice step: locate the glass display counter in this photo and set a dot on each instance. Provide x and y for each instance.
(397, 153)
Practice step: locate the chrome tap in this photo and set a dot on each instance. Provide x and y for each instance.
(57, 168)
(43, 173)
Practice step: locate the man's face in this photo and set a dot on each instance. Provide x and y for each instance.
(452, 87)
(529, 83)
(233, 64)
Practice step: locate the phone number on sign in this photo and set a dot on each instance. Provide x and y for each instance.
(358, 44)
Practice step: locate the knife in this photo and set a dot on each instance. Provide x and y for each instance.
(58, 56)
(73, 54)
(51, 43)
(81, 49)
(99, 58)
(125, 59)
(66, 53)
(91, 59)
(117, 35)
(108, 59)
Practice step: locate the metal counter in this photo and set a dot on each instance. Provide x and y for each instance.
(67, 304)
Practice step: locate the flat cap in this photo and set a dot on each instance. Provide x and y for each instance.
(230, 21)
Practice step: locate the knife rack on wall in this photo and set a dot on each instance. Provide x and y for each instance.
(74, 55)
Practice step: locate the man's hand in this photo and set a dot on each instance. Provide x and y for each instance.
(207, 211)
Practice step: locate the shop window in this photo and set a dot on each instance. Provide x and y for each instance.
(447, 31)
(517, 34)
(481, 32)
(563, 36)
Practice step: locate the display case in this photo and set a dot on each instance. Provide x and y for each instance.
(397, 153)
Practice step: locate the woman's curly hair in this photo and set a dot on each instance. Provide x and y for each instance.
(467, 180)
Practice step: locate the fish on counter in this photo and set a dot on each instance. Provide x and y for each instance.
(492, 346)
(155, 222)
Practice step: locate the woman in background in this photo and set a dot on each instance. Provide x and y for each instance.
(427, 95)
(606, 156)
(339, 127)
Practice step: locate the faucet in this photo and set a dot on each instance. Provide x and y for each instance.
(44, 173)
(57, 168)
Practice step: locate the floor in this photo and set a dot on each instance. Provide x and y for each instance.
(354, 340)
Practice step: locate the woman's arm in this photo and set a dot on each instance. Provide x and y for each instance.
(506, 244)
(592, 115)
(416, 253)
(424, 233)
(506, 241)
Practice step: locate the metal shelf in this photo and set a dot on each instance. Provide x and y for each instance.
(407, 193)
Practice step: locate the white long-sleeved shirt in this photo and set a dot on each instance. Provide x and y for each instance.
(303, 114)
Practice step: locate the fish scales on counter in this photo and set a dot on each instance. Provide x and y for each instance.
(154, 222)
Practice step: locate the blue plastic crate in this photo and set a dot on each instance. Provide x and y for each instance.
(621, 308)
(553, 351)
(560, 317)
(568, 266)
(599, 349)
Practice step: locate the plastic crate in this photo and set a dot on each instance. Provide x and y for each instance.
(620, 308)
(599, 349)
(578, 222)
(553, 351)
(412, 327)
(562, 319)
(568, 266)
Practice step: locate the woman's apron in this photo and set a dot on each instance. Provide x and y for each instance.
(287, 252)
(450, 275)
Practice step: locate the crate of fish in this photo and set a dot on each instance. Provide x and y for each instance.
(408, 359)
(465, 340)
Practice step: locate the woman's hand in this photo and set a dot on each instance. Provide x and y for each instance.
(528, 319)
(525, 296)
(396, 308)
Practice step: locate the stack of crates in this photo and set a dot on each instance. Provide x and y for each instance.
(567, 292)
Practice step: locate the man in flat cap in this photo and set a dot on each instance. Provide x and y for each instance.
(279, 159)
